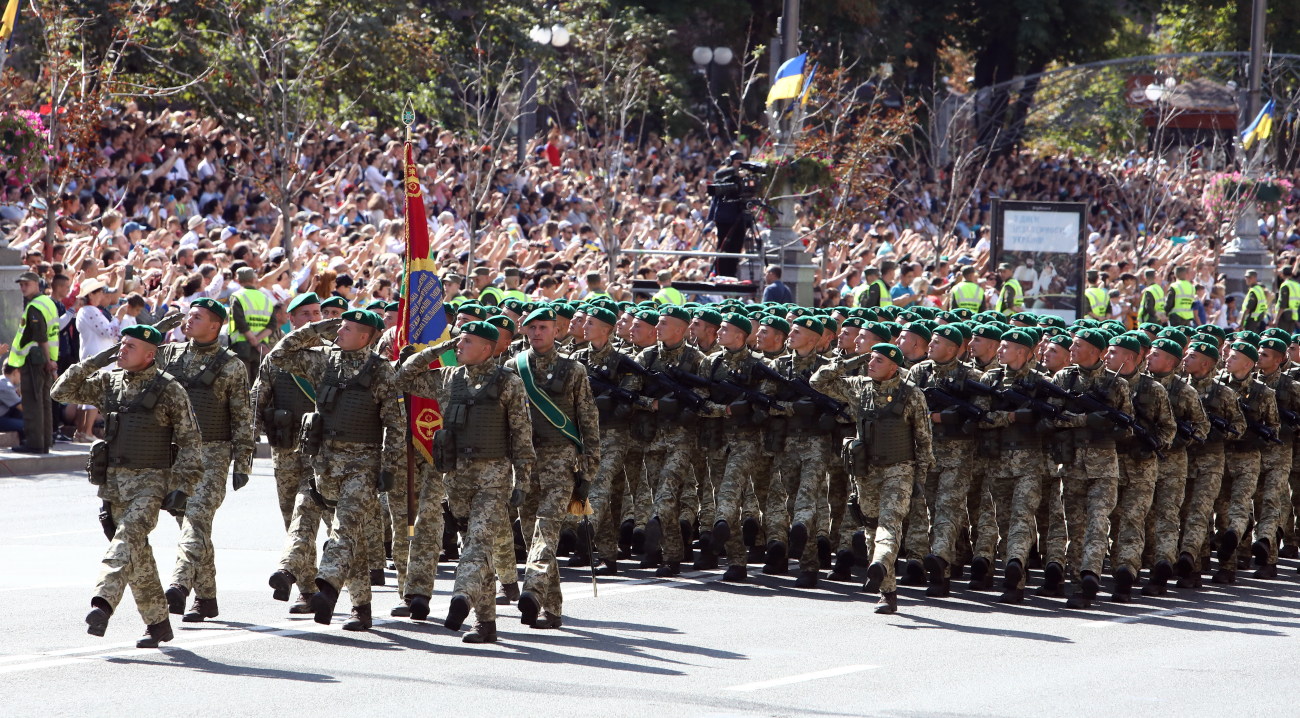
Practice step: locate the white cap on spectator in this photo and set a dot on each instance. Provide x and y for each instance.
(275, 252)
(229, 232)
(309, 229)
(196, 221)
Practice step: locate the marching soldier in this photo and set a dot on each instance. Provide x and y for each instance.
(1275, 457)
(149, 461)
(1242, 456)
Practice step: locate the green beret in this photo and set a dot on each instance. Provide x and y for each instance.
(1246, 348)
(211, 305)
(366, 317)
(334, 303)
(894, 328)
(1208, 348)
(1273, 343)
(963, 313)
(1035, 333)
(144, 333)
(1020, 336)
(948, 317)
(892, 311)
(564, 309)
(1051, 320)
(602, 314)
(303, 300)
(492, 311)
(482, 330)
(1114, 325)
(1172, 334)
(1142, 338)
(1094, 337)
(676, 312)
(1025, 318)
(808, 322)
(739, 321)
(967, 331)
(393, 307)
(1062, 339)
(951, 332)
(472, 310)
(920, 329)
(1276, 333)
(1216, 332)
(1125, 341)
(501, 321)
(1168, 345)
(1295, 338)
(854, 322)
(890, 352)
(541, 314)
(1249, 337)
(908, 317)
(515, 305)
(709, 316)
(1150, 327)
(647, 316)
(987, 331)
(877, 328)
(377, 306)
(777, 323)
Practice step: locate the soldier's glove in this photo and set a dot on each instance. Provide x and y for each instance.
(175, 502)
(326, 328)
(517, 498)
(385, 482)
(1024, 416)
(169, 322)
(106, 357)
(106, 520)
(238, 481)
(1098, 421)
(581, 488)
(950, 416)
(316, 495)
(1046, 427)
(405, 353)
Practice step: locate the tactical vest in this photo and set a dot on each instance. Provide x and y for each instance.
(545, 435)
(288, 396)
(1084, 436)
(135, 438)
(1212, 400)
(887, 435)
(348, 408)
(1016, 435)
(1249, 400)
(212, 413)
(1144, 408)
(476, 418)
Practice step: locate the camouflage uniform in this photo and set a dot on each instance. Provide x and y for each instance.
(1276, 460)
(1138, 466)
(477, 488)
(886, 480)
(1242, 459)
(1171, 472)
(801, 460)
(347, 471)
(225, 419)
(135, 494)
(1205, 465)
(1290, 500)
(276, 389)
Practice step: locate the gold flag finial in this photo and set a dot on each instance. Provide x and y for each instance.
(408, 113)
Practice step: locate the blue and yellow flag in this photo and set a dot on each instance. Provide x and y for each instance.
(806, 93)
(1261, 128)
(7, 23)
(789, 79)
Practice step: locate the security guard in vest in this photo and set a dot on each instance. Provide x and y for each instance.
(966, 294)
(667, 294)
(1152, 304)
(217, 385)
(150, 451)
(357, 436)
(1286, 313)
(1096, 298)
(250, 321)
(512, 279)
(487, 432)
(1011, 297)
(595, 287)
(35, 351)
(1179, 299)
(280, 400)
(873, 292)
(1254, 312)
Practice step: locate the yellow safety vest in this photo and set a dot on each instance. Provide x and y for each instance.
(1184, 296)
(1017, 294)
(44, 305)
(1292, 288)
(597, 295)
(669, 295)
(1261, 302)
(490, 292)
(1097, 300)
(967, 295)
(257, 312)
(1157, 293)
(862, 289)
(514, 294)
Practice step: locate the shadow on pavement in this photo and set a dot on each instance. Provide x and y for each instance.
(182, 658)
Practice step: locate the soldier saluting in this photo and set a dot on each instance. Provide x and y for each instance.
(148, 461)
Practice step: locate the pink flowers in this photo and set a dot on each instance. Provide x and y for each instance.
(20, 150)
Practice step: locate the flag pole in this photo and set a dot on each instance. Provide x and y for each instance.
(408, 119)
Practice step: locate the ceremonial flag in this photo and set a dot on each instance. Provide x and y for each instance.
(804, 95)
(1261, 128)
(788, 80)
(422, 320)
(7, 23)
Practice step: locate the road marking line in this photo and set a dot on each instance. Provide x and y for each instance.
(56, 533)
(802, 677)
(1141, 617)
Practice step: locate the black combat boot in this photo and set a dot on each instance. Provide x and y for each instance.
(807, 579)
(936, 570)
(401, 610)
(913, 573)
(606, 567)
(981, 575)
(361, 619)
(529, 607)
(843, 566)
(1268, 570)
(302, 606)
(1088, 588)
(638, 541)
(1260, 550)
(654, 534)
(176, 595)
(861, 548)
(567, 544)
(777, 562)
(798, 539)
(669, 569)
(457, 612)
(201, 609)
(419, 608)
(875, 576)
(484, 632)
(888, 603)
(625, 530)
(322, 602)
(721, 533)
(282, 583)
(749, 530)
(1228, 548)
(1053, 581)
(1158, 581)
(735, 573)
(548, 620)
(155, 634)
(688, 539)
(706, 559)
(1124, 580)
(377, 577)
(824, 559)
(97, 619)
(509, 593)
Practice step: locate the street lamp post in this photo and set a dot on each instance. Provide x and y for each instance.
(556, 36)
(708, 60)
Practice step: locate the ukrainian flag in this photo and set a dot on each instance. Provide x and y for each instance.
(8, 20)
(789, 79)
(1261, 128)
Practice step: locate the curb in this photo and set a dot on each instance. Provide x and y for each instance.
(66, 458)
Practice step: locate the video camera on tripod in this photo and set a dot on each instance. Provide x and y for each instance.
(738, 184)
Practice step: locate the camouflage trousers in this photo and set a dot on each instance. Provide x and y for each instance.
(1013, 491)
(1137, 487)
(478, 491)
(1275, 470)
(938, 511)
(891, 489)
(393, 513)
(837, 484)
(196, 566)
(129, 559)
(804, 458)
(667, 462)
(1291, 505)
(292, 472)
(1052, 536)
(1204, 477)
(707, 466)
(417, 559)
(346, 474)
(1089, 501)
(639, 504)
(555, 474)
(749, 468)
(609, 488)
(1163, 520)
(299, 555)
(1236, 500)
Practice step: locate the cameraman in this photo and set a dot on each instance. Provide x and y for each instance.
(728, 213)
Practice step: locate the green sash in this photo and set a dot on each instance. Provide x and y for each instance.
(304, 386)
(544, 404)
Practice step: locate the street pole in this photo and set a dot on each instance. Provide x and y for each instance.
(1258, 12)
(527, 110)
(782, 233)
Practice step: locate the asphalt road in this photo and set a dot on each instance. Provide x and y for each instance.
(645, 646)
